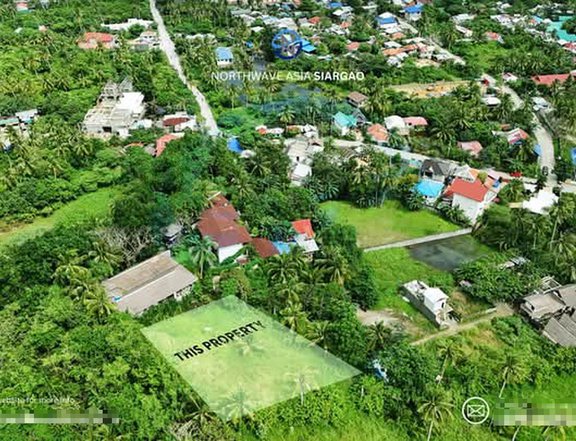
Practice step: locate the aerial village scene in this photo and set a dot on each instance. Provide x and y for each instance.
(393, 181)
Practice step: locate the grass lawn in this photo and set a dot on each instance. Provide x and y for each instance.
(388, 223)
(393, 268)
(87, 206)
(484, 54)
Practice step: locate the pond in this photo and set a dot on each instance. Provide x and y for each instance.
(449, 254)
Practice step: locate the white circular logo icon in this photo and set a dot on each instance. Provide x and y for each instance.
(475, 410)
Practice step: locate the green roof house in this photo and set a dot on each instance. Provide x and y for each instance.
(343, 123)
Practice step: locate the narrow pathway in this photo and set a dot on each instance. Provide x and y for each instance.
(420, 240)
(167, 45)
(502, 310)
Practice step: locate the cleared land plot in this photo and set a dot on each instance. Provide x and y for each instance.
(429, 90)
(387, 224)
(239, 360)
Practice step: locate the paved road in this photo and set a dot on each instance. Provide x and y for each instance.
(419, 240)
(502, 310)
(167, 45)
(543, 137)
(411, 157)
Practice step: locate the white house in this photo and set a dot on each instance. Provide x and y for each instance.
(471, 197)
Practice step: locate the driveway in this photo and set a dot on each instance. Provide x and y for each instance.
(167, 45)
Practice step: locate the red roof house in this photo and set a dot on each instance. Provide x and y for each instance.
(314, 20)
(264, 247)
(472, 147)
(304, 226)
(92, 40)
(548, 80)
(471, 197)
(378, 133)
(163, 141)
(353, 46)
(416, 121)
(220, 224)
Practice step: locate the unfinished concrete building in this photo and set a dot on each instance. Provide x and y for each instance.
(119, 107)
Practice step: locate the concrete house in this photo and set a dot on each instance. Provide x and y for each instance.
(117, 110)
(432, 302)
(149, 283)
(552, 300)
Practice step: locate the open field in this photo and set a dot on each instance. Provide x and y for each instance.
(388, 223)
(87, 206)
(429, 90)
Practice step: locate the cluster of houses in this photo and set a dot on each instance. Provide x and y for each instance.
(460, 186)
(552, 309)
(161, 278)
(398, 31)
(535, 24)
(19, 123)
(120, 109)
(147, 40)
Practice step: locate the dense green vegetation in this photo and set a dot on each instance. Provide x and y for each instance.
(106, 209)
(46, 70)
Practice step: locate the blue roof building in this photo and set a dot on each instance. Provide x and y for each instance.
(385, 20)
(282, 247)
(335, 5)
(307, 46)
(429, 189)
(224, 56)
(415, 9)
(573, 153)
(234, 145)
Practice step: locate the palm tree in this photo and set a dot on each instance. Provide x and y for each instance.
(318, 333)
(202, 255)
(435, 409)
(379, 335)
(513, 370)
(97, 302)
(286, 116)
(451, 352)
(334, 265)
(281, 269)
(294, 317)
(303, 381)
(236, 406)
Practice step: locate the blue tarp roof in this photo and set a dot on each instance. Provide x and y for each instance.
(573, 153)
(538, 149)
(224, 53)
(415, 9)
(385, 20)
(335, 5)
(429, 188)
(307, 46)
(282, 247)
(234, 145)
